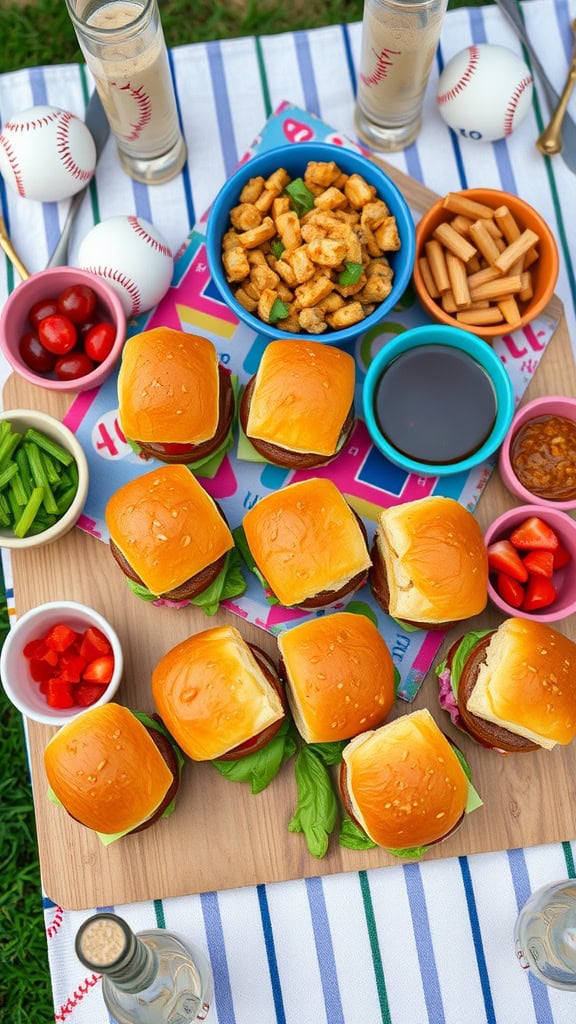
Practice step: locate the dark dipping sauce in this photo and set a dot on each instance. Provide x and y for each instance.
(435, 404)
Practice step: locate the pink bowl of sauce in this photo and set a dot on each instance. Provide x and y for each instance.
(538, 456)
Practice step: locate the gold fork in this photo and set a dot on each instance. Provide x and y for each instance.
(10, 251)
(550, 141)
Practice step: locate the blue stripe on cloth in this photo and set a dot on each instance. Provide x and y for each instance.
(186, 182)
(501, 153)
(478, 944)
(324, 951)
(349, 58)
(521, 883)
(218, 959)
(49, 210)
(453, 136)
(142, 200)
(302, 44)
(222, 103)
(423, 937)
(271, 954)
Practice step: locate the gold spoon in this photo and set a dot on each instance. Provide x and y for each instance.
(10, 251)
(550, 141)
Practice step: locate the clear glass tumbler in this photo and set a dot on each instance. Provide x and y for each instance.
(545, 935)
(124, 47)
(399, 40)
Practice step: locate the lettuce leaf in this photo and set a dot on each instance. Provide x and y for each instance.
(353, 837)
(259, 768)
(243, 547)
(317, 806)
(229, 583)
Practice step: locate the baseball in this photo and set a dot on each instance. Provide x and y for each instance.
(46, 154)
(131, 255)
(484, 92)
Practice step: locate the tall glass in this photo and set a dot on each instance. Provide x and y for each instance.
(124, 47)
(545, 935)
(399, 40)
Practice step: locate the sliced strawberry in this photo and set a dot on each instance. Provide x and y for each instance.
(60, 637)
(59, 694)
(540, 593)
(534, 533)
(561, 557)
(510, 590)
(94, 644)
(88, 693)
(100, 670)
(503, 557)
(540, 563)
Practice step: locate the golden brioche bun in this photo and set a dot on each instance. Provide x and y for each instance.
(212, 694)
(305, 539)
(339, 676)
(405, 784)
(168, 387)
(106, 770)
(302, 396)
(167, 527)
(436, 561)
(527, 683)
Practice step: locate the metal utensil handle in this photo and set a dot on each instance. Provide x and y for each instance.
(550, 141)
(59, 257)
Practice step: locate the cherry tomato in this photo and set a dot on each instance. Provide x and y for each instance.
(34, 354)
(77, 302)
(76, 364)
(57, 333)
(40, 310)
(99, 341)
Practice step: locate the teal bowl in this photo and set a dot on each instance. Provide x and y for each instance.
(443, 337)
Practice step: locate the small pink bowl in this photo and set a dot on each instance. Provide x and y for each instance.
(563, 579)
(551, 405)
(48, 284)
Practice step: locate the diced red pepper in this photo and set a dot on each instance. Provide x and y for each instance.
(94, 644)
(40, 670)
(71, 668)
(60, 637)
(88, 693)
(59, 694)
(34, 649)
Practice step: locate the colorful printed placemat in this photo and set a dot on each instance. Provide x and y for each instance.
(363, 475)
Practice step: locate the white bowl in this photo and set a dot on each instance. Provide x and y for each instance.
(18, 684)
(21, 419)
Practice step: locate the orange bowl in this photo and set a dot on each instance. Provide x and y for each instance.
(544, 271)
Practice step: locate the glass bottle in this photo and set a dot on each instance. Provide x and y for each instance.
(151, 977)
(399, 40)
(545, 935)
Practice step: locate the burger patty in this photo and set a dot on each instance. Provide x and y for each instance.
(166, 748)
(324, 597)
(185, 591)
(488, 733)
(379, 583)
(205, 448)
(285, 456)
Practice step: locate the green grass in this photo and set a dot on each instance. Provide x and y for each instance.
(36, 34)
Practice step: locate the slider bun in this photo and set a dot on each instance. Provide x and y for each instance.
(167, 527)
(527, 683)
(305, 539)
(212, 694)
(168, 387)
(436, 561)
(405, 784)
(339, 676)
(106, 770)
(302, 396)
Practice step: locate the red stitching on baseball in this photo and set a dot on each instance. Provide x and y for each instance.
(513, 103)
(63, 147)
(55, 923)
(14, 165)
(465, 78)
(26, 126)
(111, 274)
(77, 996)
(144, 105)
(140, 230)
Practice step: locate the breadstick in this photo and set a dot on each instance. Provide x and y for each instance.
(507, 224)
(519, 247)
(480, 317)
(509, 309)
(428, 279)
(454, 242)
(447, 300)
(484, 242)
(458, 280)
(457, 203)
(497, 288)
(482, 276)
(437, 264)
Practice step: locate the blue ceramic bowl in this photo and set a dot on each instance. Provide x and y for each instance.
(294, 158)
(454, 338)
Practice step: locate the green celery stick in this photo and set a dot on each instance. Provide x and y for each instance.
(48, 445)
(7, 473)
(52, 471)
(8, 444)
(65, 499)
(15, 508)
(4, 505)
(5, 519)
(21, 460)
(39, 476)
(18, 490)
(28, 516)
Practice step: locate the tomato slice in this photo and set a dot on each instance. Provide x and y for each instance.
(100, 670)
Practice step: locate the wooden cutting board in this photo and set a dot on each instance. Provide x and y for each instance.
(220, 835)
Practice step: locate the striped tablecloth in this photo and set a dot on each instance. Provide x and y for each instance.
(429, 942)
